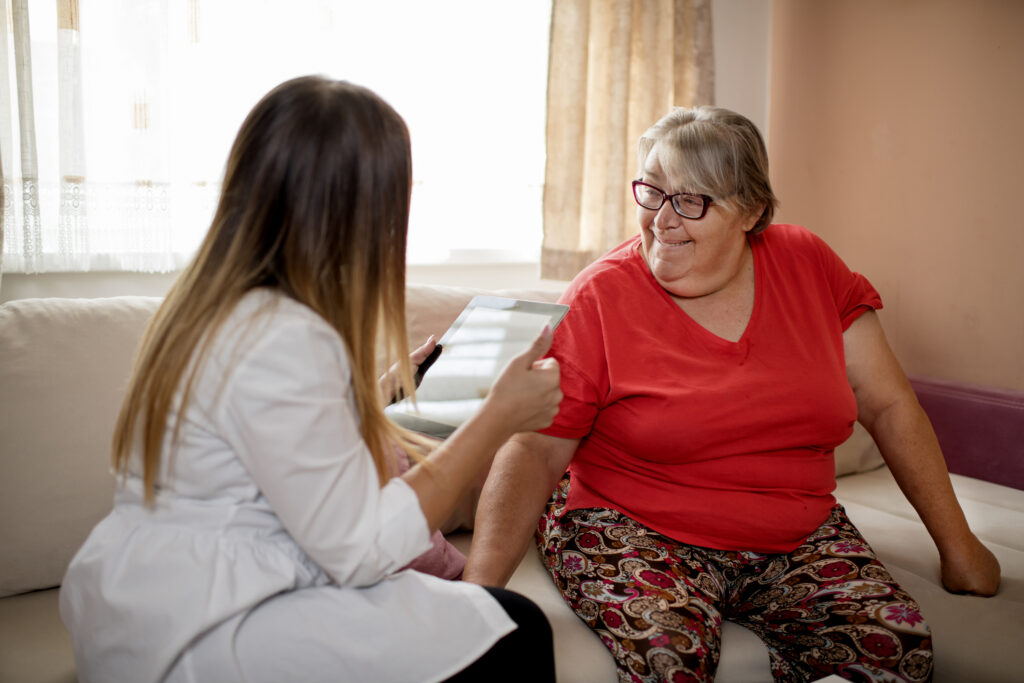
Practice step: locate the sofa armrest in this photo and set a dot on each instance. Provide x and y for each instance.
(980, 429)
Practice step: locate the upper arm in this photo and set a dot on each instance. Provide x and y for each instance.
(874, 373)
(554, 452)
(529, 466)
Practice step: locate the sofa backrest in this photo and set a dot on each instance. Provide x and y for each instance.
(64, 364)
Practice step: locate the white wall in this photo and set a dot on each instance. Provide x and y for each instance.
(741, 30)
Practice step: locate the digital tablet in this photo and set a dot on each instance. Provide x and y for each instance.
(486, 335)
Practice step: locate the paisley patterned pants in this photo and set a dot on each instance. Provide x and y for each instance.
(829, 607)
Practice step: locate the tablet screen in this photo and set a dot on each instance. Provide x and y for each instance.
(485, 336)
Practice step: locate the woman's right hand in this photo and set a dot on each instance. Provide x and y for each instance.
(526, 394)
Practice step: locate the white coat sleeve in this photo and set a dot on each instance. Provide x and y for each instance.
(289, 413)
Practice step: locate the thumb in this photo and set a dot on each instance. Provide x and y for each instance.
(420, 354)
(538, 348)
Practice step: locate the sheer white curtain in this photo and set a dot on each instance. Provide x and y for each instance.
(92, 178)
(116, 117)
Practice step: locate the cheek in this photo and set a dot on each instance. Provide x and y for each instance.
(644, 217)
(646, 222)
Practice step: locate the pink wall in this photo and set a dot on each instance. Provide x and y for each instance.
(897, 134)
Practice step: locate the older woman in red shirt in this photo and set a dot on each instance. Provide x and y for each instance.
(710, 365)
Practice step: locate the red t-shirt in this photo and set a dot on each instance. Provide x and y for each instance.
(713, 443)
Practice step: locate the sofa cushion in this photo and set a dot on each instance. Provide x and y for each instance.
(858, 453)
(34, 645)
(46, 347)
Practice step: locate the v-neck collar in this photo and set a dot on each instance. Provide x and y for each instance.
(688, 320)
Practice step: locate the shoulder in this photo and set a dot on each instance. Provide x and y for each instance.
(277, 315)
(602, 301)
(608, 274)
(794, 244)
(787, 235)
(270, 332)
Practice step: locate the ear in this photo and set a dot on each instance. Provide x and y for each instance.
(755, 215)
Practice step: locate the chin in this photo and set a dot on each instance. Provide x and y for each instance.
(672, 280)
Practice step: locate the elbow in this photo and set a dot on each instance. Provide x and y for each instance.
(361, 569)
(874, 412)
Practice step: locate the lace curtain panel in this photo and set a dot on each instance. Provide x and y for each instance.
(121, 197)
(615, 68)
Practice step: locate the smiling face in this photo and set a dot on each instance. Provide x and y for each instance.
(690, 258)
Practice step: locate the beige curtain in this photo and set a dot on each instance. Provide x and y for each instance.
(616, 66)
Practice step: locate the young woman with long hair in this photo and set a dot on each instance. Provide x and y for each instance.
(260, 526)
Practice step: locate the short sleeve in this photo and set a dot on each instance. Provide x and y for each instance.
(859, 296)
(852, 292)
(578, 346)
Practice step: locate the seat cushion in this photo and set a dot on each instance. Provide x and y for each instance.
(34, 645)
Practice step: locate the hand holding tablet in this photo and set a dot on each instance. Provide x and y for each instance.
(488, 333)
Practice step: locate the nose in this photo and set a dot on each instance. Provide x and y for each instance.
(667, 218)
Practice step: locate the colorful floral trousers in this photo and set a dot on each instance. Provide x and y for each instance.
(829, 607)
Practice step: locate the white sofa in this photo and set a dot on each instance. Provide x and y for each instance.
(64, 364)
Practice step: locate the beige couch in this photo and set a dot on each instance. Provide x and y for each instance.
(63, 367)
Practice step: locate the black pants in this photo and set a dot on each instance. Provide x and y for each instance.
(526, 654)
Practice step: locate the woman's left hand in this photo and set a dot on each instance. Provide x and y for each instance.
(389, 380)
(970, 568)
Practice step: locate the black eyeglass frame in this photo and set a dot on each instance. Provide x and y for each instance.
(670, 198)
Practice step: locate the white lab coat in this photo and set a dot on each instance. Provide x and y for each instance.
(270, 532)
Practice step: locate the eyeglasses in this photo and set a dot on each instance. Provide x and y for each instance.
(686, 204)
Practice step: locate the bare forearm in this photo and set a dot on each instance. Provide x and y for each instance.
(524, 398)
(455, 466)
(911, 450)
(520, 482)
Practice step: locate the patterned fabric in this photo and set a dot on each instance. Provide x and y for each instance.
(829, 607)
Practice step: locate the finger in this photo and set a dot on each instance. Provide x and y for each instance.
(548, 364)
(538, 348)
(422, 352)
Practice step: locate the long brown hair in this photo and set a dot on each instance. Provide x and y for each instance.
(315, 204)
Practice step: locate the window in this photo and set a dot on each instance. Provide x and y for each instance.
(162, 86)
